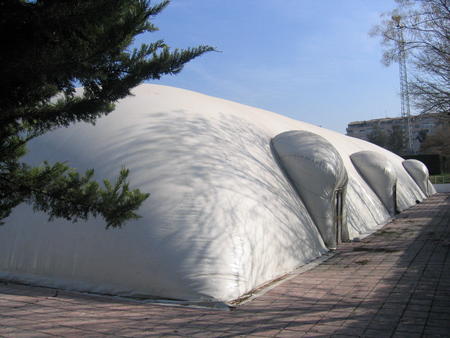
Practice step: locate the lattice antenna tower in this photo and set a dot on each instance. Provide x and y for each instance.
(404, 92)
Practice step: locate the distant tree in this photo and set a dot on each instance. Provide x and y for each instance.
(396, 140)
(393, 140)
(378, 136)
(49, 47)
(422, 135)
(425, 25)
(438, 142)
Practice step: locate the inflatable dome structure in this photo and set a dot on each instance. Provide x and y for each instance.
(419, 173)
(320, 178)
(239, 197)
(380, 174)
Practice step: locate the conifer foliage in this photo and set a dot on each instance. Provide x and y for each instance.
(50, 47)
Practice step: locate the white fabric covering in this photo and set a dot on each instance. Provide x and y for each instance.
(419, 172)
(221, 220)
(380, 175)
(317, 171)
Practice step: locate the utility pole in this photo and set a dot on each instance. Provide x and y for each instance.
(404, 91)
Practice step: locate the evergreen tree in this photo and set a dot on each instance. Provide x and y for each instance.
(48, 48)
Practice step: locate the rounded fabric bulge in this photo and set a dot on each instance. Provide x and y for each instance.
(380, 175)
(419, 173)
(318, 173)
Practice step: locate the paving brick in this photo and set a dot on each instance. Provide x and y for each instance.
(287, 333)
(298, 327)
(400, 334)
(381, 332)
(436, 332)
(444, 323)
(328, 329)
(351, 331)
(410, 327)
(402, 289)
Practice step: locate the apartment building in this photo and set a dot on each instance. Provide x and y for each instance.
(421, 125)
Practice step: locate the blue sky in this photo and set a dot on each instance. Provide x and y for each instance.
(312, 60)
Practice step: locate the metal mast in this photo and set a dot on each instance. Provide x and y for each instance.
(404, 92)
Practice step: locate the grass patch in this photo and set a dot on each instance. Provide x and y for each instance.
(386, 232)
(362, 262)
(440, 179)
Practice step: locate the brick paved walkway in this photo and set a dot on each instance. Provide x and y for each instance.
(395, 282)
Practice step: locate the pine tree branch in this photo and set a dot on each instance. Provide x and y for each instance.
(61, 192)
